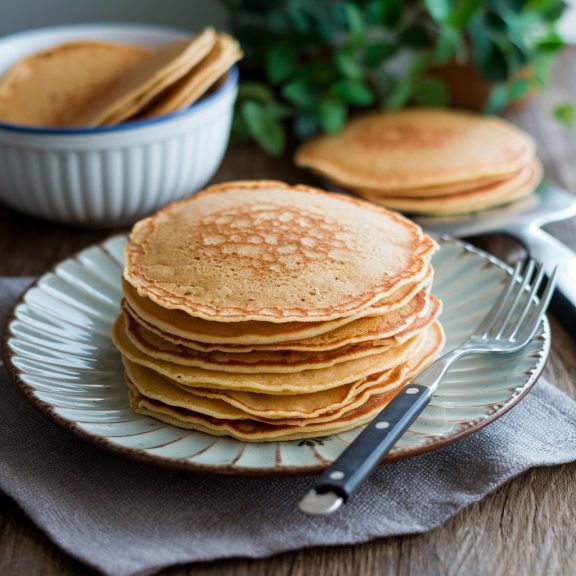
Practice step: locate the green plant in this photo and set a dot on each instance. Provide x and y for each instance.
(310, 63)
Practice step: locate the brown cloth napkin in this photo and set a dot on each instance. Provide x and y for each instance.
(124, 518)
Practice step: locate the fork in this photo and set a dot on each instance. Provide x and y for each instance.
(508, 327)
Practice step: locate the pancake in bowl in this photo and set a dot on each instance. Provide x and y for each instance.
(49, 88)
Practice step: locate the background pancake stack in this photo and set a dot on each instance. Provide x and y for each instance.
(428, 161)
(264, 311)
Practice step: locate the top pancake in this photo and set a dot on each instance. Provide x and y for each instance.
(50, 87)
(264, 250)
(418, 148)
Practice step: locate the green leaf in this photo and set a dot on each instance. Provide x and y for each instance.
(355, 23)
(347, 64)
(440, 10)
(300, 93)
(552, 42)
(375, 54)
(549, 9)
(463, 13)
(497, 100)
(496, 67)
(255, 91)
(403, 90)
(481, 43)
(393, 10)
(431, 92)
(415, 36)
(280, 61)
(518, 89)
(375, 11)
(353, 92)
(306, 125)
(264, 127)
(542, 67)
(565, 113)
(332, 115)
(448, 46)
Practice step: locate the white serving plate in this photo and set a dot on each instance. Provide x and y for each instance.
(59, 350)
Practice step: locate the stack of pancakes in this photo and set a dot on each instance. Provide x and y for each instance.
(265, 311)
(428, 161)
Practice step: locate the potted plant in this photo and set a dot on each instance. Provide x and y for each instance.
(311, 63)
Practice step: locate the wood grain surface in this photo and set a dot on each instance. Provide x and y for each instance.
(526, 527)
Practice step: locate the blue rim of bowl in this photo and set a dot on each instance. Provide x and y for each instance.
(229, 85)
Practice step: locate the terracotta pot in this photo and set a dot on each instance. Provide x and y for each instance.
(467, 88)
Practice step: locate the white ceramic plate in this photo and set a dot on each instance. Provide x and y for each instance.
(58, 349)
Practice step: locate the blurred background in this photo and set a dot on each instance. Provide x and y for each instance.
(193, 14)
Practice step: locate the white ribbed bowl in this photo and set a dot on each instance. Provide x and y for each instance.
(111, 175)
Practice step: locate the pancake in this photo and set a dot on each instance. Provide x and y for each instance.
(252, 430)
(429, 191)
(277, 361)
(305, 381)
(225, 52)
(266, 251)
(165, 66)
(418, 148)
(472, 201)
(271, 408)
(382, 330)
(176, 325)
(50, 87)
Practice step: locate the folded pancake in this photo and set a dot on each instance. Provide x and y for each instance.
(266, 251)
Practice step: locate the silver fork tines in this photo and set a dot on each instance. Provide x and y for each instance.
(515, 316)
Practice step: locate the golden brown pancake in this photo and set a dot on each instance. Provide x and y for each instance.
(382, 331)
(250, 429)
(429, 191)
(50, 87)
(277, 361)
(177, 324)
(225, 52)
(138, 87)
(479, 199)
(266, 251)
(274, 408)
(270, 383)
(418, 148)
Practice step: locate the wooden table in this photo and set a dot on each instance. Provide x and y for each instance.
(526, 527)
